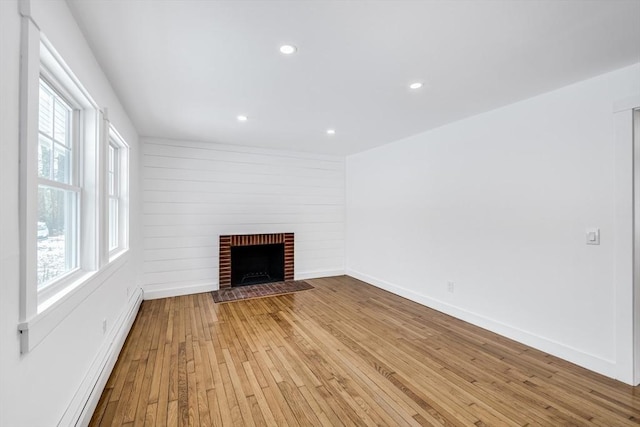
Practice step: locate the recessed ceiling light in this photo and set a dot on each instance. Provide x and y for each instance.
(331, 131)
(288, 49)
(242, 118)
(416, 85)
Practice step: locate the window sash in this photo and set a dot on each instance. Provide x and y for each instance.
(66, 244)
(114, 222)
(58, 189)
(49, 139)
(116, 206)
(113, 171)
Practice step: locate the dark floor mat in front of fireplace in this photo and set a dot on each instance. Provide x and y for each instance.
(257, 291)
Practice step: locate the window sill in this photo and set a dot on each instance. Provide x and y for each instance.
(53, 311)
(115, 254)
(80, 277)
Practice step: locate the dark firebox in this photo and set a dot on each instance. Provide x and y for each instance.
(255, 264)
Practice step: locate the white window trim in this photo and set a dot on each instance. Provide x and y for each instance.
(122, 182)
(67, 279)
(38, 318)
(627, 334)
(115, 196)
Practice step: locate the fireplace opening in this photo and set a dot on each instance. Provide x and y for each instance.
(254, 264)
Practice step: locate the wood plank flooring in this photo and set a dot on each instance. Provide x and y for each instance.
(342, 354)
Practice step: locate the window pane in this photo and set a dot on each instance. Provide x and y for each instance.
(61, 122)
(112, 171)
(45, 111)
(57, 233)
(112, 184)
(62, 164)
(112, 154)
(44, 157)
(113, 224)
(54, 124)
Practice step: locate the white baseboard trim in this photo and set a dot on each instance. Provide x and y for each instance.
(159, 291)
(586, 360)
(318, 274)
(86, 399)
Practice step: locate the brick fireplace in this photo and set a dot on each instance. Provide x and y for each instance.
(243, 240)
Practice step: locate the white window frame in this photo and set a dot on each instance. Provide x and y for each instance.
(40, 312)
(113, 195)
(121, 148)
(56, 286)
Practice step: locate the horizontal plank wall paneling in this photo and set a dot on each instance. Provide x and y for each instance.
(194, 192)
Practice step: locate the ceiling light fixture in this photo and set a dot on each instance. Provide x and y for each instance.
(416, 85)
(242, 118)
(331, 131)
(288, 49)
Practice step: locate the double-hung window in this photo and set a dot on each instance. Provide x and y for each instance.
(59, 180)
(114, 195)
(59, 191)
(117, 193)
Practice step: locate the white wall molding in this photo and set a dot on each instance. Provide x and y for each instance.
(594, 363)
(86, 399)
(636, 244)
(623, 241)
(318, 274)
(627, 208)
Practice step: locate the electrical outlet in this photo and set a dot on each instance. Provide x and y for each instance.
(450, 286)
(104, 326)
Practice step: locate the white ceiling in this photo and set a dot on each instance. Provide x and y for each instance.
(186, 69)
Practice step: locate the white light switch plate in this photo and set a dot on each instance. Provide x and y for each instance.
(593, 236)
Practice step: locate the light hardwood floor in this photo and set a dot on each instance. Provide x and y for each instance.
(344, 353)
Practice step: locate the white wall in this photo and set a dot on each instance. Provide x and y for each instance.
(38, 387)
(194, 192)
(499, 204)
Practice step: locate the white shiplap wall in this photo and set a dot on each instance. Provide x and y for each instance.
(194, 192)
